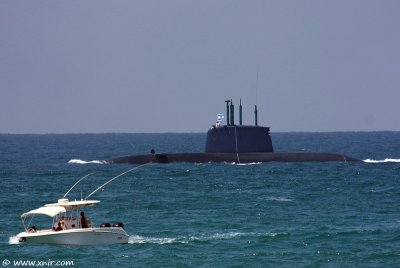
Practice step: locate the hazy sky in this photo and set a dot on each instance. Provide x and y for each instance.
(168, 66)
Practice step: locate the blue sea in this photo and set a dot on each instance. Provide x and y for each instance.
(334, 214)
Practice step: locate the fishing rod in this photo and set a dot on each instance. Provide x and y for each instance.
(123, 173)
(77, 183)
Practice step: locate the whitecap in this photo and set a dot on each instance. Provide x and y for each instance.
(280, 199)
(82, 162)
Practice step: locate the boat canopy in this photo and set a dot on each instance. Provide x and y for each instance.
(49, 211)
(69, 205)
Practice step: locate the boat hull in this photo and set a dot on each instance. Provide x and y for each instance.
(87, 236)
(231, 157)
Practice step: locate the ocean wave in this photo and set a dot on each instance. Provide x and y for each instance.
(387, 160)
(136, 239)
(82, 162)
(13, 240)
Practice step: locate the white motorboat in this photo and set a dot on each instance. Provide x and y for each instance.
(70, 226)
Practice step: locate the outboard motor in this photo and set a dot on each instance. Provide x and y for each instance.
(104, 225)
(118, 224)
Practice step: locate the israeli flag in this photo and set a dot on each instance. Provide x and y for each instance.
(220, 117)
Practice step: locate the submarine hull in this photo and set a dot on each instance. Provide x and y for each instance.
(231, 157)
(234, 143)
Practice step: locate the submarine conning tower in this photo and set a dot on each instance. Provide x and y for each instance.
(231, 138)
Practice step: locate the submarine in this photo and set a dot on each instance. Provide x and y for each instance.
(234, 143)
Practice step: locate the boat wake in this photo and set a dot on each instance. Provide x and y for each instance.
(13, 240)
(136, 239)
(387, 160)
(82, 162)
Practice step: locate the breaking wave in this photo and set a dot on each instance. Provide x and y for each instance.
(137, 239)
(387, 160)
(82, 162)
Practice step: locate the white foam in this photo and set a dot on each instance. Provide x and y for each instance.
(82, 162)
(387, 160)
(234, 235)
(13, 240)
(249, 164)
(244, 164)
(137, 239)
(220, 236)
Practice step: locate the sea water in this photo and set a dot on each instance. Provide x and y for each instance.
(274, 214)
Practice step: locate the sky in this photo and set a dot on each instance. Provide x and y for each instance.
(100, 66)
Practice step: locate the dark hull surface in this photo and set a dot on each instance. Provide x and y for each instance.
(231, 157)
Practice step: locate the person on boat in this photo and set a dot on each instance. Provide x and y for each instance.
(60, 226)
(32, 229)
(83, 220)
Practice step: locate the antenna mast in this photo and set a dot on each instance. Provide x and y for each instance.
(255, 107)
(77, 183)
(104, 184)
